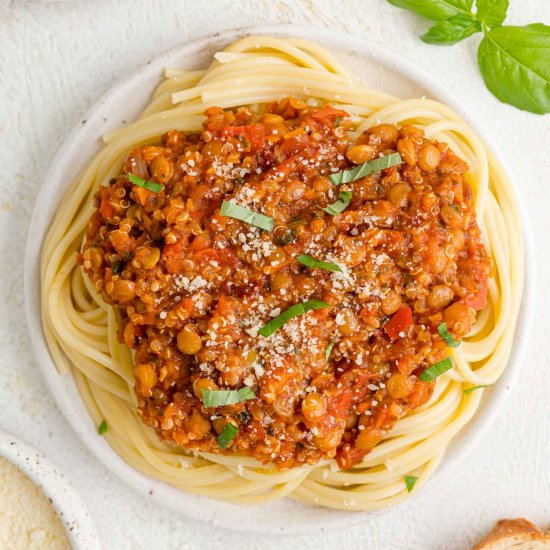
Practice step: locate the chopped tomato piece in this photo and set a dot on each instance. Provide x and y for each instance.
(106, 209)
(253, 133)
(174, 256)
(479, 300)
(349, 455)
(325, 112)
(400, 322)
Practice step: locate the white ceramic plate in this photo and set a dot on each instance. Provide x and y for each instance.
(380, 69)
(66, 502)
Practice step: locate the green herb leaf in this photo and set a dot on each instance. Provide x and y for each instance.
(226, 437)
(370, 167)
(431, 373)
(293, 311)
(410, 482)
(328, 351)
(102, 428)
(444, 333)
(344, 198)
(515, 65)
(435, 9)
(151, 185)
(491, 13)
(221, 398)
(233, 210)
(452, 30)
(468, 391)
(308, 261)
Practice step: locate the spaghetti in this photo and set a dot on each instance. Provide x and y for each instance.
(81, 328)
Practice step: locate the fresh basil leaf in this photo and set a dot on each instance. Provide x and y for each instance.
(437, 10)
(293, 311)
(370, 167)
(328, 351)
(468, 391)
(431, 373)
(238, 212)
(225, 438)
(515, 65)
(222, 398)
(491, 13)
(410, 482)
(151, 185)
(344, 198)
(452, 31)
(102, 428)
(444, 333)
(308, 261)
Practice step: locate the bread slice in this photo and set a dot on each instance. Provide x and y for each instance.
(514, 534)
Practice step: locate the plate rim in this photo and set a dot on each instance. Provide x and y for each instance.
(166, 495)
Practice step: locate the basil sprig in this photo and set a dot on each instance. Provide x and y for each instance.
(514, 61)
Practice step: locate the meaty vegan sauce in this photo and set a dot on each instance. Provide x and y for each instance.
(195, 287)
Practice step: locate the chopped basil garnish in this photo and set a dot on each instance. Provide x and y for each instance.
(151, 185)
(344, 198)
(431, 373)
(375, 165)
(221, 398)
(468, 391)
(444, 333)
(328, 351)
(102, 428)
(410, 482)
(225, 438)
(293, 311)
(308, 261)
(233, 210)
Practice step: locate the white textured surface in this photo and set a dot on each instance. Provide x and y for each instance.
(57, 58)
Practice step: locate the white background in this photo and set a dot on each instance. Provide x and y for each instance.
(57, 58)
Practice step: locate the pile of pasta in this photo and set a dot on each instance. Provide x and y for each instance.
(81, 329)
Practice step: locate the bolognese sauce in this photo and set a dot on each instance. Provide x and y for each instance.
(386, 258)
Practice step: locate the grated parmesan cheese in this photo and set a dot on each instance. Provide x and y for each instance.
(28, 520)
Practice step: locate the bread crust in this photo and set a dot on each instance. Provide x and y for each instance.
(515, 530)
